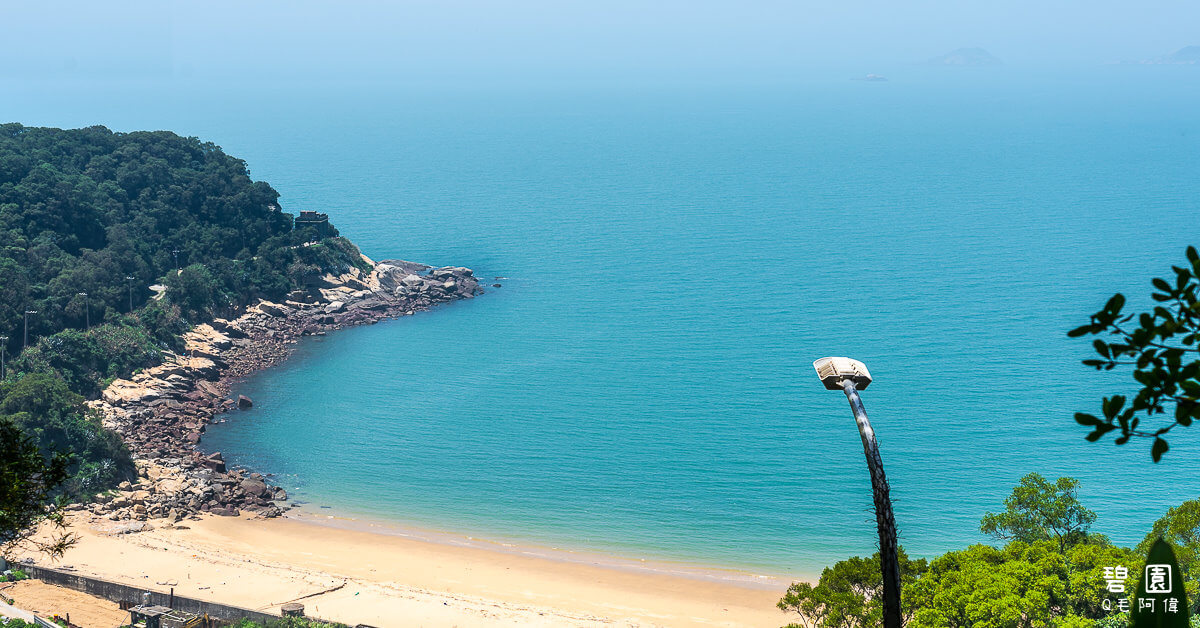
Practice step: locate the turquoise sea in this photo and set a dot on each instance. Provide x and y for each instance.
(674, 258)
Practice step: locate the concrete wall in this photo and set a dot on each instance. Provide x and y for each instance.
(117, 592)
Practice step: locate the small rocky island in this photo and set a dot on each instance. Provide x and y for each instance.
(1188, 55)
(161, 412)
(966, 57)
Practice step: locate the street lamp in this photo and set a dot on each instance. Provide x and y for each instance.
(3, 348)
(27, 313)
(848, 376)
(129, 278)
(87, 310)
(176, 254)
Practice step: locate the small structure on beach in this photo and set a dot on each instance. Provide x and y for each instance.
(147, 616)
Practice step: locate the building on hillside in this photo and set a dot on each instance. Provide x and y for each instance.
(314, 220)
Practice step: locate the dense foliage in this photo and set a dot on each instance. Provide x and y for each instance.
(1051, 573)
(89, 220)
(81, 210)
(1161, 346)
(849, 594)
(1181, 528)
(44, 408)
(88, 360)
(27, 480)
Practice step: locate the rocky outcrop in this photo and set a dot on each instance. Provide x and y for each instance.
(162, 412)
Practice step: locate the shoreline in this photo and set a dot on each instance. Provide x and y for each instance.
(161, 413)
(612, 559)
(356, 576)
(187, 513)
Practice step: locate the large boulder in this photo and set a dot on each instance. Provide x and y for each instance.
(215, 462)
(254, 488)
(123, 391)
(273, 309)
(388, 277)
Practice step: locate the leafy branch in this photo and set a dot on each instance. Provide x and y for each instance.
(1162, 349)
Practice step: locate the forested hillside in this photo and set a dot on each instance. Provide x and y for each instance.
(89, 220)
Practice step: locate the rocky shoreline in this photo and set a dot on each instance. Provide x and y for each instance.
(161, 413)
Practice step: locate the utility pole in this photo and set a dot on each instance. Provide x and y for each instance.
(129, 280)
(27, 313)
(87, 311)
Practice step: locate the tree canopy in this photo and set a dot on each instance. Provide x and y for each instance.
(82, 209)
(1038, 579)
(89, 219)
(849, 594)
(1180, 527)
(1038, 510)
(28, 479)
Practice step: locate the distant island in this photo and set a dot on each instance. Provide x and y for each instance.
(966, 56)
(1188, 55)
(875, 78)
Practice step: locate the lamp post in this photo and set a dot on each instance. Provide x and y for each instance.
(3, 348)
(27, 313)
(849, 376)
(87, 311)
(175, 252)
(129, 280)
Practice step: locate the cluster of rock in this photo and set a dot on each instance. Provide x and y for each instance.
(161, 413)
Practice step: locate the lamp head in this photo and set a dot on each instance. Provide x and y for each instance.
(833, 370)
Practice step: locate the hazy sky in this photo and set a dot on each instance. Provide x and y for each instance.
(476, 39)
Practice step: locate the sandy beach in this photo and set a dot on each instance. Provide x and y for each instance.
(389, 580)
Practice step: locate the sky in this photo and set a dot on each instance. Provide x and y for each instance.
(472, 40)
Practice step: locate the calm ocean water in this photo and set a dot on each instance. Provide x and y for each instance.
(674, 261)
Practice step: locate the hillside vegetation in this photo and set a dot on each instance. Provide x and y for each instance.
(89, 220)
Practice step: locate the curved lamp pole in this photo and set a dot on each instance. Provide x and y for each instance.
(849, 376)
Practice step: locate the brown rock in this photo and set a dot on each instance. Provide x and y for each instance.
(254, 487)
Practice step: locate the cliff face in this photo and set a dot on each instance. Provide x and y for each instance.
(161, 413)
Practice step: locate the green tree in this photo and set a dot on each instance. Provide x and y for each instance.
(28, 480)
(1161, 346)
(1039, 510)
(57, 420)
(194, 290)
(1180, 527)
(1024, 585)
(849, 594)
(1152, 610)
